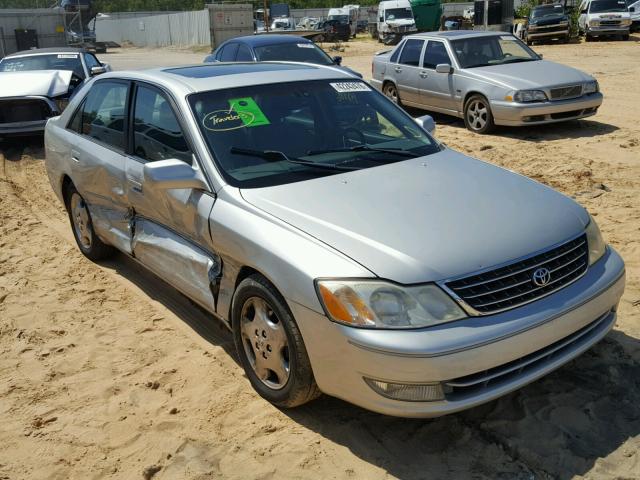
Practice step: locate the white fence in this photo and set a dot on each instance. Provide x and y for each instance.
(179, 29)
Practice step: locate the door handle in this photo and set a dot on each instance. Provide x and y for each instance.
(424, 74)
(75, 156)
(135, 186)
(398, 69)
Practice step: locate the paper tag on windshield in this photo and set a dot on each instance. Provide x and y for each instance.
(347, 87)
(507, 37)
(67, 55)
(305, 45)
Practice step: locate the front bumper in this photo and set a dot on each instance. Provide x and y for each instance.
(518, 114)
(582, 312)
(607, 30)
(537, 34)
(22, 128)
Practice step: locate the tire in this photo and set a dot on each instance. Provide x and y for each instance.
(82, 227)
(270, 345)
(625, 37)
(566, 39)
(391, 92)
(477, 114)
(588, 38)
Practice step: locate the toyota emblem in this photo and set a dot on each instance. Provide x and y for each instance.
(541, 277)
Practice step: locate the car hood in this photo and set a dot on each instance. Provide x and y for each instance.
(46, 83)
(538, 74)
(426, 219)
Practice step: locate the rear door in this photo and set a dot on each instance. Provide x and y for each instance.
(97, 138)
(436, 89)
(171, 226)
(407, 70)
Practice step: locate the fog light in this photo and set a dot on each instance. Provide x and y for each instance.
(416, 392)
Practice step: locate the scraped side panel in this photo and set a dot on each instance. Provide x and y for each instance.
(184, 265)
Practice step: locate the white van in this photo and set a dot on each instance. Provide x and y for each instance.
(395, 17)
(347, 14)
(604, 17)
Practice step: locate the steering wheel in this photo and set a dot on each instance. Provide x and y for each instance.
(346, 139)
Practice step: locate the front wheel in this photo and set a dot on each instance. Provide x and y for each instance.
(477, 115)
(270, 346)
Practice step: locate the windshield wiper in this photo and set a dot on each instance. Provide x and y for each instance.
(277, 155)
(517, 60)
(364, 148)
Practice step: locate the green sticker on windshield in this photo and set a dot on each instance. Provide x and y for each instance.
(249, 112)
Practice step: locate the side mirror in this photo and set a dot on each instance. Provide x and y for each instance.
(632, 9)
(540, 55)
(427, 123)
(444, 68)
(98, 70)
(583, 12)
(172, 173)
(337, 60)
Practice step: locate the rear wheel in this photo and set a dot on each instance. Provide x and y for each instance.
(270, 345)
(391, 92)
(88, 242)
(477, 115)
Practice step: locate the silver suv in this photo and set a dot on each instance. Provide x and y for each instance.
(348, 250)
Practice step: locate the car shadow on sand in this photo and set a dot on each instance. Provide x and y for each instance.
(557, 427)
(199, 320)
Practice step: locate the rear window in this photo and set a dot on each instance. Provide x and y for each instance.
(293, 52)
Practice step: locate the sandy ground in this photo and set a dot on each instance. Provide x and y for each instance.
(105, 372)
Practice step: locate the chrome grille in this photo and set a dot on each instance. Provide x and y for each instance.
(570, 91)
(609, 22)
(511, 286)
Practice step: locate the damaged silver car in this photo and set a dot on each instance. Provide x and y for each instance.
(36, 85)
(348, 250)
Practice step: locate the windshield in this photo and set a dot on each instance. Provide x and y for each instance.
(397, 13)
(340, 18)
(491, 50)
(546, 11)
(293, 52)
(602, 6)
(62, 61)
(273, 134)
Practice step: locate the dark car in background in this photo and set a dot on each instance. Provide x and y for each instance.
(547, 22)
(274, 48)
(335, 30)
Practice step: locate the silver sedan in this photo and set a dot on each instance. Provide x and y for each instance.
(486, 78)
(348, 250)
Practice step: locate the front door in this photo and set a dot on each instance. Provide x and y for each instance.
(406, 71)
(171, 226)
(436, 89)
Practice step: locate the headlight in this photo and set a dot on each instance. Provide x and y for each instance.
(564, 23)
(533, 27)
(625, 22)
(594, 23)
(378, 304)
(524, 96)
(595, 242)
(590, 87)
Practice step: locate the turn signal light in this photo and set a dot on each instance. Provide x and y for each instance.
(426, 392)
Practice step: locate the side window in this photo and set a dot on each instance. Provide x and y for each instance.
(411, 53)
(228, 53)
(157, 133)
(91, 61)
(244, 54)
(396, 54)
(103, 113)
(435, 54)
(75, 123)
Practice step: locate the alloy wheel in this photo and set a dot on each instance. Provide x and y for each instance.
(265, 343)
(477, 114)
(81, 221)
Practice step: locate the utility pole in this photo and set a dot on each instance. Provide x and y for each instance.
(486, 15)
(266, 16)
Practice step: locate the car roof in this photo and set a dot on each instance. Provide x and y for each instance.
(456, 34)
(204, 77)
(268, 39)
(42, 51)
